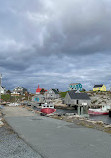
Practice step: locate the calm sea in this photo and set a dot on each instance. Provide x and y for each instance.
(105, 118)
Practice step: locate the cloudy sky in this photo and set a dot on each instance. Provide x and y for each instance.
(55, 43)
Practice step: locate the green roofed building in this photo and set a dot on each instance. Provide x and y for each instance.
(75, 86)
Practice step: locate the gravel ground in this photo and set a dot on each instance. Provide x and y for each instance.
(11, 146)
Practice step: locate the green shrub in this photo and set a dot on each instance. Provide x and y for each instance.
(6, 97)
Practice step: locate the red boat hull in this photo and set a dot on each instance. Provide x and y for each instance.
(47, 110)
(97, 113)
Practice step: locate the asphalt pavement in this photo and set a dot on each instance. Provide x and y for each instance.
(52, 138)
(11, 146)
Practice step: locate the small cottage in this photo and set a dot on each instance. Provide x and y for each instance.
(101, 87)
(3, 90)
(39, 99)
(19, 91)
(75, 86)
(73, 98)
(52, 94)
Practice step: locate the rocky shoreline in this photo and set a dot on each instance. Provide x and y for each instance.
(99, 125)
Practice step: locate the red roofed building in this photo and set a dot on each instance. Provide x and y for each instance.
(40, 90)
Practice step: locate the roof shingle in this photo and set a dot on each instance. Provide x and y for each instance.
(82, 96)
(96, 86)
(55, 91)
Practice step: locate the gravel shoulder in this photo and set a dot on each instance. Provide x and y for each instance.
(12, 146)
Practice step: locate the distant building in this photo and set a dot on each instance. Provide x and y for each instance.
(19, 91)
(75, 86)
(52, 94)
(57, 89)
(38, 98)
(40, 90)
(8, 92)
(101, 87)
(3, 90)
(77, 98)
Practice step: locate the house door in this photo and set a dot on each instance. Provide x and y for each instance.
(37, 99)
(77, 101)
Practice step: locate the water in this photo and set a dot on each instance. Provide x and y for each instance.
(63, 111)
(105, 118)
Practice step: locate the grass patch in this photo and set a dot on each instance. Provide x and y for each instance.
(6, 97)
(9, 98)
(63, 94)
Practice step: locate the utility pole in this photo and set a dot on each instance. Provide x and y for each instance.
(0, 87)
(29, 95)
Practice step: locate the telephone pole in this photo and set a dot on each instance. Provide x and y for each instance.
(0, 87)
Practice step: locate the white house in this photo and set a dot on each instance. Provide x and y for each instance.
(19, 91)
(3, 90)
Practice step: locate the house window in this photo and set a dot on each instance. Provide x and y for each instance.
(80, 85)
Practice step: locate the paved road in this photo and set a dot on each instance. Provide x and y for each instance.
(58, 139)
(11, 146)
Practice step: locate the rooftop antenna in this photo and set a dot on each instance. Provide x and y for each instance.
(0, 87)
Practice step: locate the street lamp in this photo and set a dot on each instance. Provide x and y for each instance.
(0, 87)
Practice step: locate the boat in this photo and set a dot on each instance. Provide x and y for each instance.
(104, 110)
(13, 104)
(47, 108)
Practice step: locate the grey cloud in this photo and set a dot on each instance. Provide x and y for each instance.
(55, 42)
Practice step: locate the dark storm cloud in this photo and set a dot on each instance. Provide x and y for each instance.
(54, 42)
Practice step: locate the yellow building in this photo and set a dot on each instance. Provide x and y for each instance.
(101, 87)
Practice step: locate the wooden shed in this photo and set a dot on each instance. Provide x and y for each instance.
(73, 98)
